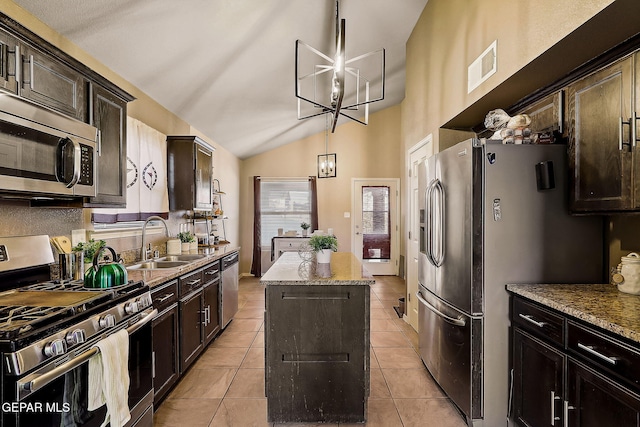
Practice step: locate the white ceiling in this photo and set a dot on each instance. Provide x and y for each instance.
(227, 66)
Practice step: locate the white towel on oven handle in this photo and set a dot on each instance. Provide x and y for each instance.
(109, 378)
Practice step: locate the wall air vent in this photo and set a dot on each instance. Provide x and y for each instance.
(483, 67)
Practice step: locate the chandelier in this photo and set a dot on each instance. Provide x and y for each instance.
(336, 85)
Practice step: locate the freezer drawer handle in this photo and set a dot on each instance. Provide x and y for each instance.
(452, 320)
(529, 319)
(590, 349)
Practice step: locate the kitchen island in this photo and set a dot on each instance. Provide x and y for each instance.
(317, 339)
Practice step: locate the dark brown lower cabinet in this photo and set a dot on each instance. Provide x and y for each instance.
(191, 323)
(587, 379)
(537, 381)
(165, 352)
(595, 401)
(210, 301)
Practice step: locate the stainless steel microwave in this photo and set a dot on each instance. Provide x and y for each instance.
(44, 153)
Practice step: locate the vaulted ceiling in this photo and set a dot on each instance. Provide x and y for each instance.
(227, 66)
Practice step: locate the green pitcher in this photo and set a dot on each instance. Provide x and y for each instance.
(106, 275)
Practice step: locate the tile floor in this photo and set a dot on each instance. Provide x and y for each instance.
(225, 387)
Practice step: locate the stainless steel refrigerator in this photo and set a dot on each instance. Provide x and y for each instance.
(492, 214)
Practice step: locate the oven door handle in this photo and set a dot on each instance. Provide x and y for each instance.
(25, 388)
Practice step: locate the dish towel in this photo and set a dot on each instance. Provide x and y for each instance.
(109, 378)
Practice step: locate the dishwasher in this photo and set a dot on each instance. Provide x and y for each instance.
(229, 289)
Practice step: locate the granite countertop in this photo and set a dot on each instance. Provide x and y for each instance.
(293, 268)
(157, 277)
(600, 305)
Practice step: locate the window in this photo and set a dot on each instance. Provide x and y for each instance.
(283, 204)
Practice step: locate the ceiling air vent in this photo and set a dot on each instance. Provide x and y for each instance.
(482, 68)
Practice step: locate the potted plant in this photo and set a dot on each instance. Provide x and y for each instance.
(305, 226)
(186, 238)
(323, 245)
(89, 248)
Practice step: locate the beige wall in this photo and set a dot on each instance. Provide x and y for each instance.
(451, 34)
(372, 151)
(20, 219)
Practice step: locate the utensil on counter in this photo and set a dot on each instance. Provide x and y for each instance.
(107, 274)
(71, 265)
(627, 274)
(62, 244)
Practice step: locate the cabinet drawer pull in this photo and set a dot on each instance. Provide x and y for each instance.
(212, 272)
(165, 297)
(553, 408)
(590, 349)
(529, 319)
(567, 407)
(193, 282)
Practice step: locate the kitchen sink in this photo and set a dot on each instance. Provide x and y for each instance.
(157, 265)
(185, 257)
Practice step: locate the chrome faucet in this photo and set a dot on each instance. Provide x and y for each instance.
(144, 253)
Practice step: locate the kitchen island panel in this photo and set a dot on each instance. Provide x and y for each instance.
(317, 341)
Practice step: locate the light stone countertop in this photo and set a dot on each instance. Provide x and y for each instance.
(293, 268)
(160, 276)
(600, 305)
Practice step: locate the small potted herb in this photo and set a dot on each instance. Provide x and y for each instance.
(186, 238)
(323, 245)
(90, 248)
(305, 226)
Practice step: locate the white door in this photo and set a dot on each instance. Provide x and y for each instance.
(417, 154)
(375, 224)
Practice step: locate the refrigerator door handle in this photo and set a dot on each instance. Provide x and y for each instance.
(439, 191)
(454, 321)
(429, 221)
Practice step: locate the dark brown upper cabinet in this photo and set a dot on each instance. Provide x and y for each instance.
(190, 173)
(602, 146)
(8, 49)
(47, 81)
(109, 115)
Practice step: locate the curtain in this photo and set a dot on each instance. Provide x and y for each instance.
(256, 265)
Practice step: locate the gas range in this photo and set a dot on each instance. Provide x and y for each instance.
(51, 331)
(46, 320)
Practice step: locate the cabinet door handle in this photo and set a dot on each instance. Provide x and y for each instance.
(193, 282)
(18, 59)
(212, 272)
(567, 407)
(529, 319)
(634, 131)
(591, 350)
(631, 124)
(165, 297)
(553, 408)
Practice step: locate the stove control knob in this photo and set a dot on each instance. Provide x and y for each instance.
(76, 336)
(107, 321)
(131, 307)
(55, 348)
(145, 301)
